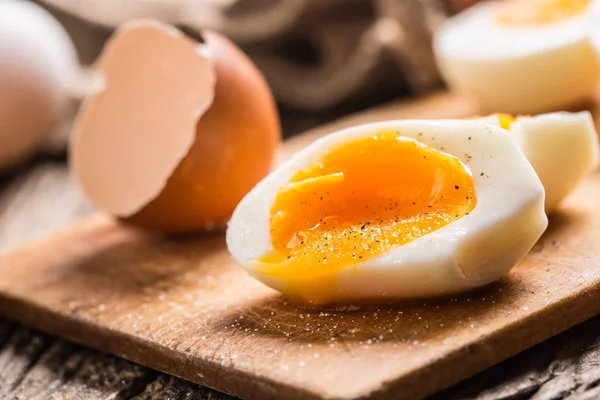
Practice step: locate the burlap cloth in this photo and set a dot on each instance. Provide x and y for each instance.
(315, 54)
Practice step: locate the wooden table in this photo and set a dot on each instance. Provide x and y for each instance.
(41, 198)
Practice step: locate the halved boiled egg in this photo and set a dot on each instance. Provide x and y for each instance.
(562, 148)
(397, 209)
(519, 56)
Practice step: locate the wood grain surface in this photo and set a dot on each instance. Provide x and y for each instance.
(37, 366)
(181, 305)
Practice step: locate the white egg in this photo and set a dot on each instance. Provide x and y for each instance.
(429, 238)
(37, 63)
(562, 148)
(520, 57)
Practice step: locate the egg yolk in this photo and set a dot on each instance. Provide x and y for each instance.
(505, 120)
(535, 12)
(363, 199)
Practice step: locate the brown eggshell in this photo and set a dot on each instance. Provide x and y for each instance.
(234, 147)
(180, 133)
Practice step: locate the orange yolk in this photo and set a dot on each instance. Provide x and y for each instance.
(362, 199)
(535, 12)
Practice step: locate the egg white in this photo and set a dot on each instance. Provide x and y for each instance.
(516, 69)
(476, 249)
(562, 148)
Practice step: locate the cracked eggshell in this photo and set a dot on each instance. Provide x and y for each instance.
(179, 132)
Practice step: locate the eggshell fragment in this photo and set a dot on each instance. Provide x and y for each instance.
(179, 133)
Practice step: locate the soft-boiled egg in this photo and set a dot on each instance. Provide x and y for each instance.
(519, 56)
(562, 148)
(397, 209)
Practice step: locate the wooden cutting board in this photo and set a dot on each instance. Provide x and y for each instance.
(183, 306)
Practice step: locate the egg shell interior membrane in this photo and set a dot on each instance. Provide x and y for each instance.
(179, 133)
(130, 136)
(362, 199)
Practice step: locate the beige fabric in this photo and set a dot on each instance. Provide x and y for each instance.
(315, 54)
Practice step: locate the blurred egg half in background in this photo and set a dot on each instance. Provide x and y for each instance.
(595, 24)
(520, 56)
(37, 66)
